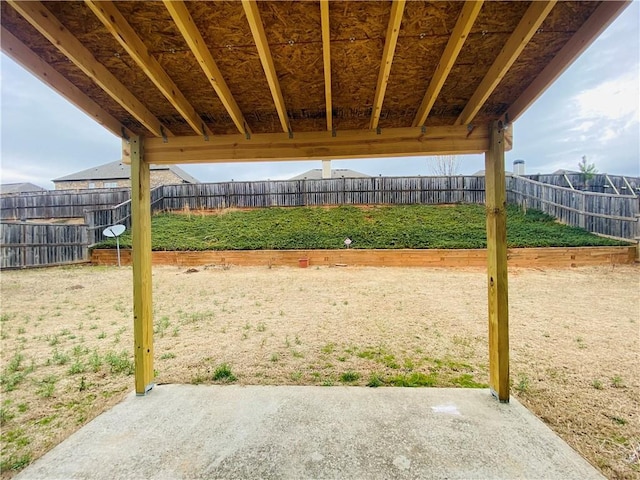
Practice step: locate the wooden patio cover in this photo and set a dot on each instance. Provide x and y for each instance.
(189, 82)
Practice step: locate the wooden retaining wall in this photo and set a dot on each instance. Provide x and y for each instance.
(35, 245)
(518, 257)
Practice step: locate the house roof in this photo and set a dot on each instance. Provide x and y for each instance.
(7, 188)
(316, 174)
(119, 171)
(277, 80)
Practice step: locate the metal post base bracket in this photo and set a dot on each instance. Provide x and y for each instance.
(495, 395)
(147, 389)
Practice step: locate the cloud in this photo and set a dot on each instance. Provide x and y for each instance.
(613, 102)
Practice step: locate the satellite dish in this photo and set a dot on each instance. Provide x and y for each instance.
(115, 231)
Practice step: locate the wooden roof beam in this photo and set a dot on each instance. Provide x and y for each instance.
(24, 56)
(599, 20)
(458, 36)
(117, 25)
(49, 26)
(390, 142)
(326, 57)
(391, 40)
(183, 20)
(260, 38)
(529, 24)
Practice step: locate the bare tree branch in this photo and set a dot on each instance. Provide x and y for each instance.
(444, 165)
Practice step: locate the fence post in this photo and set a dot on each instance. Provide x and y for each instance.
(89, 220)
(23, 247)
(583, 214)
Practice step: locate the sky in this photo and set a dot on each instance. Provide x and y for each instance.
(593, 109)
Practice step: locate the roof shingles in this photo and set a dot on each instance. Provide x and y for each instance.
(118, 170)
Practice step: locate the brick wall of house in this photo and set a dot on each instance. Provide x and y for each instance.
(164, 177)
(82, 184)
(158, 177)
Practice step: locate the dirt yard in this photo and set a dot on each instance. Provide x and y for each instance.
(67, 342)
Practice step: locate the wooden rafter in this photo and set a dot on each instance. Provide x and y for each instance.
(319, 145)
(49, 26)
(183, 20)
(391, 40)
(529, 24)
(117, 25)
(599, 20)
(458, 36)
(326, 57)
(260, 39)
(23, 55)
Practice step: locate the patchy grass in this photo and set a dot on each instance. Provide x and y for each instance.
(224, 374)
(349, 377)
(381, 327)
(411, 226)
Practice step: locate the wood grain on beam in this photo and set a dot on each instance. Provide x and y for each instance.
(141, 254)
(458, 36)
(183, 20)
(599, 20)
(326, 57)
(20, 53)
(260, 39)
(391, 40)
(49, 26)
(323, 145)
(529, 24)
(117, 25)
(497, 276)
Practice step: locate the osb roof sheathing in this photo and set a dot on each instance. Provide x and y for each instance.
(358, 31)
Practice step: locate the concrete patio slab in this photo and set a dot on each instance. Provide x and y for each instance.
(188, 431)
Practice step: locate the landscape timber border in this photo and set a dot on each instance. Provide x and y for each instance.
(550, 257)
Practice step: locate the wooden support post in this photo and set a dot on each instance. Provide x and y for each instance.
(497, 264)
(141, 255)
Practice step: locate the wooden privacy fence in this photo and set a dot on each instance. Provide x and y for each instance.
(59, 204)
(612, 215)
(97, 219)
(290, 193)
(606, 214)
(600, 183)
(336, 191)
(33, 245)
